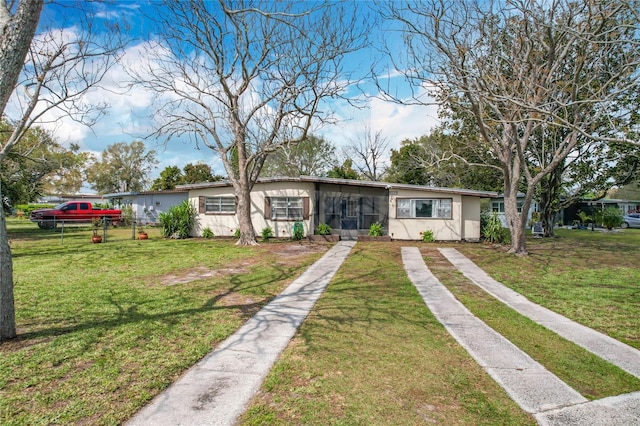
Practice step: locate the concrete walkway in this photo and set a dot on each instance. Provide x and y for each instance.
(612, 350)
(217, 389)
(535, 389)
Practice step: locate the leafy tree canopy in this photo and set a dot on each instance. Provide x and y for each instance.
(39, 165)
(345, 171)
(172, 176)
(311, 157)
(122, 168)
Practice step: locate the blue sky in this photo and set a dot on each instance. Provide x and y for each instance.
(396, 122)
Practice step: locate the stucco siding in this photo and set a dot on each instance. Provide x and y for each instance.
(471, 218)
(449, 229)
(226, 224)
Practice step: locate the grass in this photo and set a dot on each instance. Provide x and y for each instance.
(105, 327)
(590, 277)
(596, 378)
(371, 353)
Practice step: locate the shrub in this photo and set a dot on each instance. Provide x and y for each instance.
(126, 217)
(267, 233)
(298, 231)
(178, 221)
(207, 233)
(323, 229)
(609, 218)
(491, 228)
(376, 230)
(427, 236)
(28, 208)
(236, 233)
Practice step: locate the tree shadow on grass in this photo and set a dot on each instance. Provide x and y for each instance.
(133, 314)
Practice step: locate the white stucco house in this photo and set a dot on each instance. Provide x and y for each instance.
(348, 206)
(147, 205)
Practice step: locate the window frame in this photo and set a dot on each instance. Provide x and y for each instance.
(206, 202)
(412, 208)
(270, 208)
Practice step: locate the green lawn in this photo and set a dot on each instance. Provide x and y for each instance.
(104, 327)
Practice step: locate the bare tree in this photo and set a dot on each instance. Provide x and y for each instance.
(53, 70)
(245, 78)
(369, 151)
(520, 66)
(16, 32)
(313, 156)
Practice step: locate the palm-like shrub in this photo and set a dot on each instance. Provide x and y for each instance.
(178, 221)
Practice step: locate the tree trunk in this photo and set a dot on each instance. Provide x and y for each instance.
(7, 312)
(16, 33)
(247, 233)
(515, 220)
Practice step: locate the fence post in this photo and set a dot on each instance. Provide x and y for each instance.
(104, 229)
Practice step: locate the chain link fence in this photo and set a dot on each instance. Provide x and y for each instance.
(100, 230)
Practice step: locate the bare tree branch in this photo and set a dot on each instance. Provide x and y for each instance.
(248, 79)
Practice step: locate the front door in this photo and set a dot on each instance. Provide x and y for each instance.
(350, 215)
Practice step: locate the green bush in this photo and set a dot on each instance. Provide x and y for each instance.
(178, 221)
(376, 230)
(298, 231)
(127, 216)
(207, 233)
(28, 208)
(267, 233)
(323, 229)
(427, 236)
(491, 228)
(236, 233)
(609, 218)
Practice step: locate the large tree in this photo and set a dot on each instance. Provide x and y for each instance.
(40, 74)
(122, 167)
(311, 157)
(521, 66)
(172, 176)
(17, 28)
(445, 158)
(37, 164)
(245, 78)
(369, 152)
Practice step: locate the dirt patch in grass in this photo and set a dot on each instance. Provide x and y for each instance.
(198, 273)
(285, 253)
(298, 249)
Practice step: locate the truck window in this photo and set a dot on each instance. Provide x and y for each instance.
(68, 207)
(84, 206)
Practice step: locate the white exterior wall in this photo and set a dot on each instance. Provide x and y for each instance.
(410, 228)
(226, 224)
(471, 218)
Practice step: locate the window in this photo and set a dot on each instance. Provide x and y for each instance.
(429, 208)
(498, 206)
(286, 208)
(218, 205)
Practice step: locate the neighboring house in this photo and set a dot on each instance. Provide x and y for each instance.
(570, 214)
(497, 206)
(147, 205)
(348, 206)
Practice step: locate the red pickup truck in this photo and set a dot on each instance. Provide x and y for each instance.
(73, 212)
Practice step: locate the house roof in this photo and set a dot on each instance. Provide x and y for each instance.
(129, 194)
(350, 182)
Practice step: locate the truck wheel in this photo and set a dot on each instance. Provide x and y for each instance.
(48, 223)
